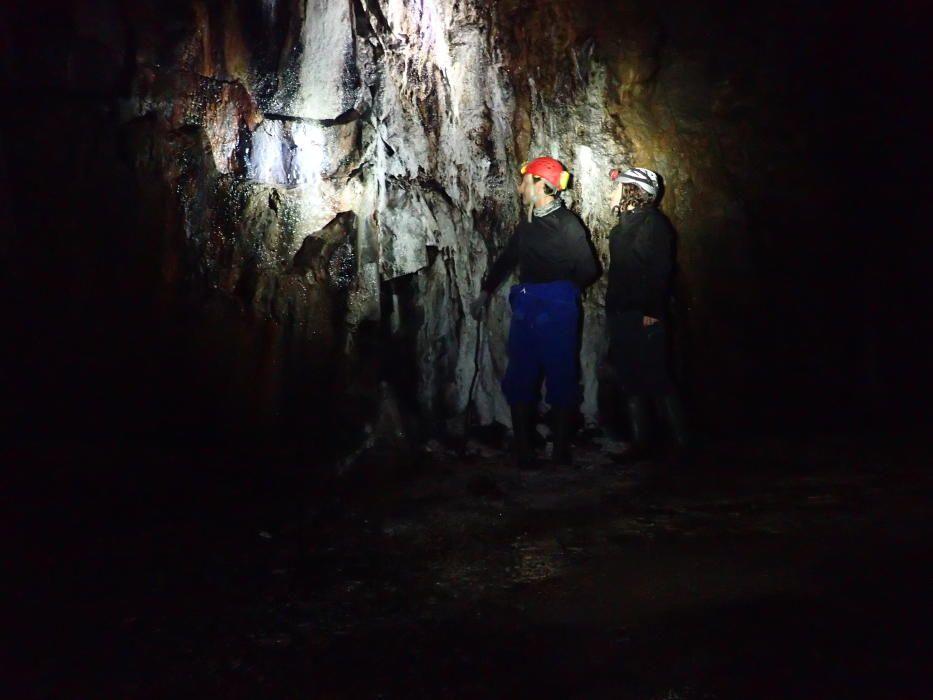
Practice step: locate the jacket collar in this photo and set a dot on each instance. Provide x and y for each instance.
(548, 208)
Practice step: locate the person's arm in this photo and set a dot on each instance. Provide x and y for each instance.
(503, 265)
(500, 269)
(653, 250)
(585, 269)
(614, 284)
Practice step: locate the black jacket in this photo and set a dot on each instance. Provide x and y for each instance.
(548, 249)
(640, 262)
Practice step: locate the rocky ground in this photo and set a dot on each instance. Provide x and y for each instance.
(769, 568)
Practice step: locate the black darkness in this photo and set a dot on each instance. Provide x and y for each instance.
(89, 372)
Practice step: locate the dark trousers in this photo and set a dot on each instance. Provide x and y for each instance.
(639, 354)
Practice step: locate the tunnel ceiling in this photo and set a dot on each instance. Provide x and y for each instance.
(325, 181)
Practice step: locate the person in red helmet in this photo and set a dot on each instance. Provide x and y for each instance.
(555, 262)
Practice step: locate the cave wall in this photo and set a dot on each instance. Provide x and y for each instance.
(272, 207)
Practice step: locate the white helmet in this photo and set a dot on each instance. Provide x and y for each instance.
(640, 177)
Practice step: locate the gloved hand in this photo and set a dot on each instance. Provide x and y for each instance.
(479, 305)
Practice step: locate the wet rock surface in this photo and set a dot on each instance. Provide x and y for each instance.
(196, 146)
(769, 569)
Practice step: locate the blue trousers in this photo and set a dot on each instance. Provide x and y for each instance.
(544, 341)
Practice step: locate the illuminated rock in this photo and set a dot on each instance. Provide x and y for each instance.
(412, 116)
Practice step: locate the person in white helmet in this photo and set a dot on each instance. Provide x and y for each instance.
(640, 266)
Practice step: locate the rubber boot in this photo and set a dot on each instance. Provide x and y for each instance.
(636, 414)
(672, 413)
(522, 450)
(563, 431)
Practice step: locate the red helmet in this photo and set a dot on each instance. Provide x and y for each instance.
(549, 169)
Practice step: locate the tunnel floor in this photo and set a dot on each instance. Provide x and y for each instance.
(762, 569)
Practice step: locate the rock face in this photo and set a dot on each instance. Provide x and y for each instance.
(354, 188)
(322, 184)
